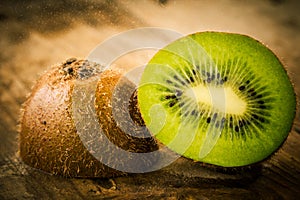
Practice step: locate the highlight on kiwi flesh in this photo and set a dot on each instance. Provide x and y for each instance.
(48, 137)
(219, 98)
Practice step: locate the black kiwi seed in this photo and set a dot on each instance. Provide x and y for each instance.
(208, 120)
(194, 72)
(168, 81)
(172, 103)
(241, 88)
(192, 79)
(236, 129)
(170, 97)
(251, 90)
(262, 107)
(255, 116)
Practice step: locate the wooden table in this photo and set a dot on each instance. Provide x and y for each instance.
(36, 35)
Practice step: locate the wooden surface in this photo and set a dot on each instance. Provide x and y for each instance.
(37, 34)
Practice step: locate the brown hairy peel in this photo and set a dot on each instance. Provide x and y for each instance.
(48, 139)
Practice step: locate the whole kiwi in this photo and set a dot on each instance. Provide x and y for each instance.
(48, 137)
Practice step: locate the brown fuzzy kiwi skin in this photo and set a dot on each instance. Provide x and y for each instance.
(48, 139)
(108, 91)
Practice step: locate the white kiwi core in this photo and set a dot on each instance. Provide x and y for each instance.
(223, 99)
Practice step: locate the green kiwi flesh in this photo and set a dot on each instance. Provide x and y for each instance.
(48, 137)
(219, 98)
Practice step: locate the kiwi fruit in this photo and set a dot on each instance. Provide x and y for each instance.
(48, 138)
(220, 98)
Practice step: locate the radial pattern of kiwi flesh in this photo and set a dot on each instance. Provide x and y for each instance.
(220, 98)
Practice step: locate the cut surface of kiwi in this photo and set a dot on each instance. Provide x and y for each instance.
(220, 98)
(48, 137)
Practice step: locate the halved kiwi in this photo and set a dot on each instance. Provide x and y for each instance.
(220, 98)
(48, 136)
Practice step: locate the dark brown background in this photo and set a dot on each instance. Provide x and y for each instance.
(37, 34)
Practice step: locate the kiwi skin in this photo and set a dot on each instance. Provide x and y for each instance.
(48, 139)
(118, 91)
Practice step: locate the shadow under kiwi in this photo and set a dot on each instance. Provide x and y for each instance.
(187, 173)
